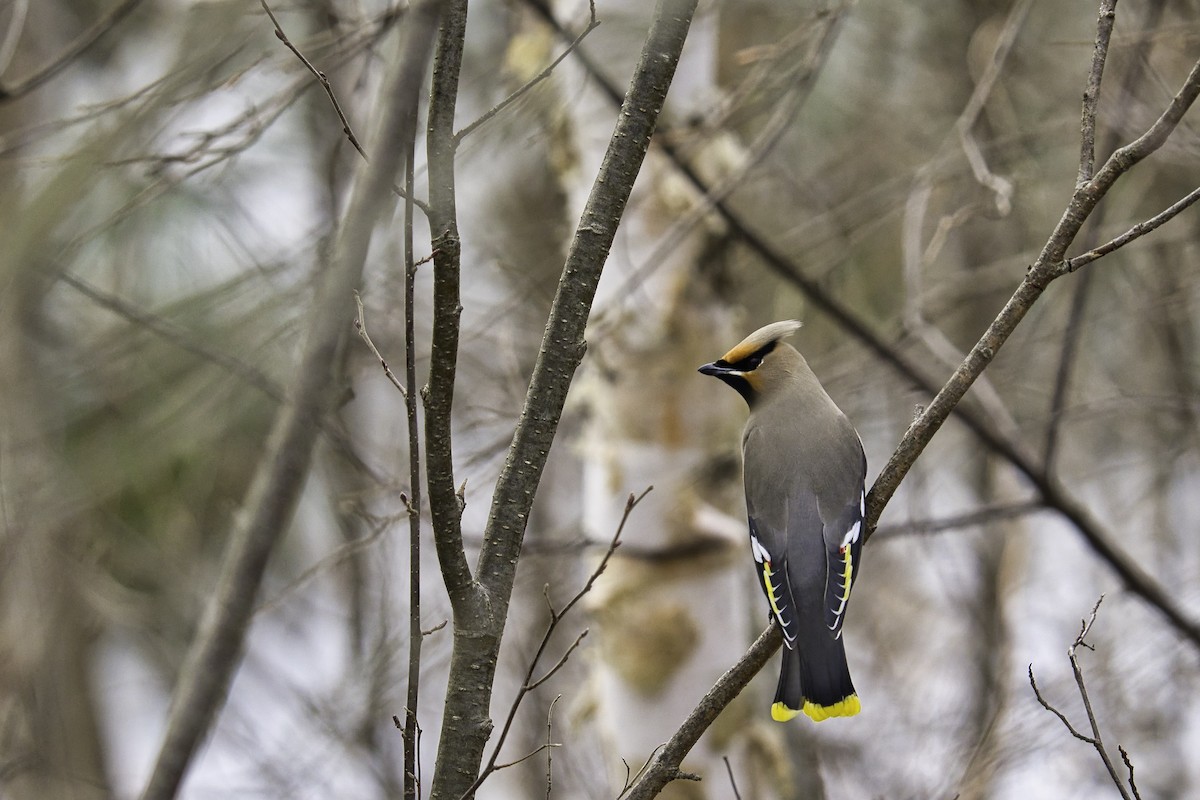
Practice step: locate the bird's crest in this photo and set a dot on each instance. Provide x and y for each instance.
(761, 338)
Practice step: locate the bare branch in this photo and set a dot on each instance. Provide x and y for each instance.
(532, 82)
(1000, 187)
(1125, 158)
(732, 782)
(529, 684)
(1091, 92)
(664, 767)
(337, 107)
(108, 21)
(1129, 765)
(1062, 717)
(319, 75)
(980, 516)
(550, 753)
(1095, 740)
(558, 664)
(438, 394)
(360, 325)
(540, 748)
(416, 636)
(1137, 231)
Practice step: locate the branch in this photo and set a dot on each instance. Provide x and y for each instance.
(517, 94)
(1095, 740)
(529, 683)
(732, 782)
(438, 395)
(22, 86)
(416, 636)
(1091, 92)
(550, 751)
(1047, 267)
(280, 476)
(360, 325)
(477, 635)
(337, 107)
(1139, 58)
(979, 516)
(319, 75)
(664, 767)
(1137, 231)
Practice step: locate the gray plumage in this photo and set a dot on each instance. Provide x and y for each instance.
(804, 478)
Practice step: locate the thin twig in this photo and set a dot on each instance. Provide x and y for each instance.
(337, 107)
(1062, 717)
(556, 616)
(560, 663)
(327, 562)
(632, 780)
(82, 42)
(664, 766)
(360, 325)
(527, 756)
(1137, 231)
(532, 82)
(979, 516)
(1091, 93)
(733, 783)
(177, 336)
(550, 752)
(1129, 765)
(319, 75)
(416, 636)
(1095, 740)
(435, 628)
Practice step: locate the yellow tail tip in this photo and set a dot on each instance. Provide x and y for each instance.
(846, 707)
(781, 713)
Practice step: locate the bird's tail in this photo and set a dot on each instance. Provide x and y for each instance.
(815, 681)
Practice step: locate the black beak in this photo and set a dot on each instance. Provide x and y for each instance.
(714, 369)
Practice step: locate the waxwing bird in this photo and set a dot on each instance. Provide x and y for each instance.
(805, 474)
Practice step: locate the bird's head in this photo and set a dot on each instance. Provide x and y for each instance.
(759, 362)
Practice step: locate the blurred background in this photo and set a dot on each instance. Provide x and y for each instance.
(168, 192)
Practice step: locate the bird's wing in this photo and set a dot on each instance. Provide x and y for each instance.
(772, 573)
(843, 547)
(787, 544)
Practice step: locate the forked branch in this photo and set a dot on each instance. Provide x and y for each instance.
(1130, 791)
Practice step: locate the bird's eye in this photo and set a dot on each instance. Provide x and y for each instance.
(749, 363)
